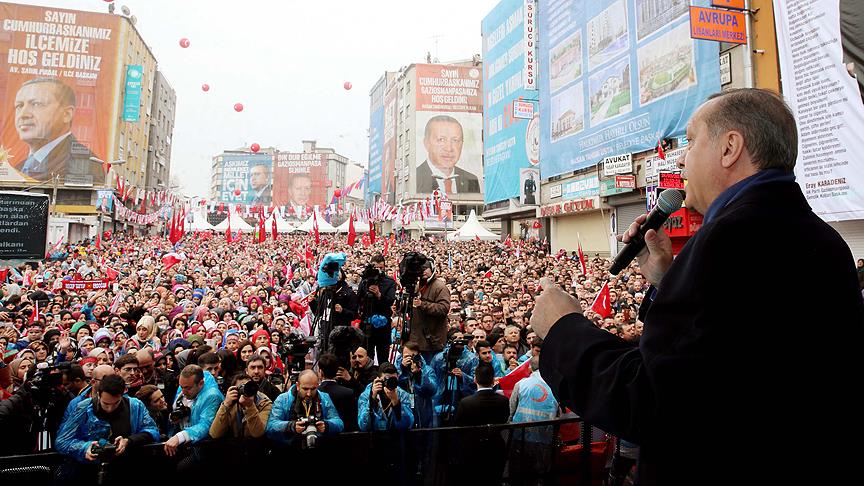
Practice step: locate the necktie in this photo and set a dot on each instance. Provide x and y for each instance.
(448, 186)
(31, 166)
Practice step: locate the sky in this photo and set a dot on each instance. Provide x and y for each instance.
(286, 61)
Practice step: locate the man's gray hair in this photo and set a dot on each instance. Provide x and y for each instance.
(534, 363)
(64, 94)
(765, 121)
(439, 119)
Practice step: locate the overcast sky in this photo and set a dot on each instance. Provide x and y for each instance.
(286, 61)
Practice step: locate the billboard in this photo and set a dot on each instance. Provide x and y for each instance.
(299, 180)
(247, 179)
(376, 135)
(132, 96)
(622, 74)
(59, 89)
(449, 129)
(388, 153)
(509, 141)
(23, 225)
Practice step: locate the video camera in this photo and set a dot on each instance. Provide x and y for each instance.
(294, 349)
(454, 352)
(371, 275)
(181, 412)
(411, 269)
(45, 384)
(310, 433)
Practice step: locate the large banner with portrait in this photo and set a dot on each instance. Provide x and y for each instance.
(376, 135)
(449, 130)
(509, 109)
(618, 76)
(388, 151)
(299, 180)
(247, 179)
(59, 89)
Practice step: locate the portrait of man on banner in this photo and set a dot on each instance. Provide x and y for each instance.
(44, 113)
(443, 140)
(261, 183)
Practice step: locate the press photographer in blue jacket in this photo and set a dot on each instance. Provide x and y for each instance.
(383, 405)
(193, 411)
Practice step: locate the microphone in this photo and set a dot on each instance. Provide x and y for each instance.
(669, 201)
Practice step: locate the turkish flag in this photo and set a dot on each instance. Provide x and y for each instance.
(275, 229)
(660, 152)
(372, 233)
(509, 381)
(352, 234)
(602, 305)
(386, 246)
(111, 273)
(171, 259)
(228, 231)
(315, 228)
(581, 257)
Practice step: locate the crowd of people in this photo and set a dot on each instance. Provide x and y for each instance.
(216, 345)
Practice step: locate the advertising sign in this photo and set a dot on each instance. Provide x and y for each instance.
(671, 181)
(449, 130)
(105, 200)
(247, 179)
(132, 96)
(509, 143)
(300, 179)
(655, 165)
(609, 187)
(529, 181)
(23, 225)
(529, 39)
(718, 25)
(820, 87)
(376, 135)
(582, 187)
(388, 156)
(59, 88)
(625, 182)
(736, 4)
(618, 164)
(621, 75)
(97, 284)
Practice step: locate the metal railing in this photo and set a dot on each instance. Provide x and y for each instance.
(549, 452)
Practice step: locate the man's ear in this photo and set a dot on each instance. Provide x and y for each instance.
(732, 149)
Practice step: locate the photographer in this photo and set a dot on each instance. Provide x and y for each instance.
(101, 428)
(430, 308)
(242, 397)
(417, 378)
(303, 414)
(377, 292)
(454, 373)
(194, 409)
(383, 405)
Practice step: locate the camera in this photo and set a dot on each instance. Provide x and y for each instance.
(104, 452)
(455, 351)
(248, 389)
(411, 269)
(181, 412)
(371, 274)
(277, 380)
(390, 383)
(310, 433)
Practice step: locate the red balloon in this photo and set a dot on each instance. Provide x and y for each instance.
(337, 192)
(205, 87)
(236, 192)
(347, 85)
(238, 107)
(255, 147)
(184, 43)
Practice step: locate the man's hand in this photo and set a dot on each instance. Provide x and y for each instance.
(247, 401)
(393, 395)
(89, 455)
(514, 363)
(377, 387)
(121, 443)
(299, 426)
(656, 258)
(171, 446)
(230, 396)
(550, 306)
(417, 302)
(337, 308)
(320, 426)
(456, 372)
(375, 290)
(343, 374)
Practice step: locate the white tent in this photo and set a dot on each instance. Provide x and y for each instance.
(323, 225)
(472, 229)
(282, 226)
(237, 223)
(200, 223)
(359, 227)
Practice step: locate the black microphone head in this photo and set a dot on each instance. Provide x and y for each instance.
(670, 201)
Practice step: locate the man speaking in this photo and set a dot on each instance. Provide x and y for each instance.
(747, 368)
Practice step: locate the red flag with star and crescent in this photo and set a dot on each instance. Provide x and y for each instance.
(602, 303)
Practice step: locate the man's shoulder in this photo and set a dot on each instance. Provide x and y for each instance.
(465, 173)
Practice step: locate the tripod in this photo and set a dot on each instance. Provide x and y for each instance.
(405, 307)
(322, 322)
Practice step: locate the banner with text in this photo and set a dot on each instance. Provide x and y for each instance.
(247, 179)
(59, 89)
(449, 130)
(299, 180)
(510, 142)
(617, 76)
(825, 98)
